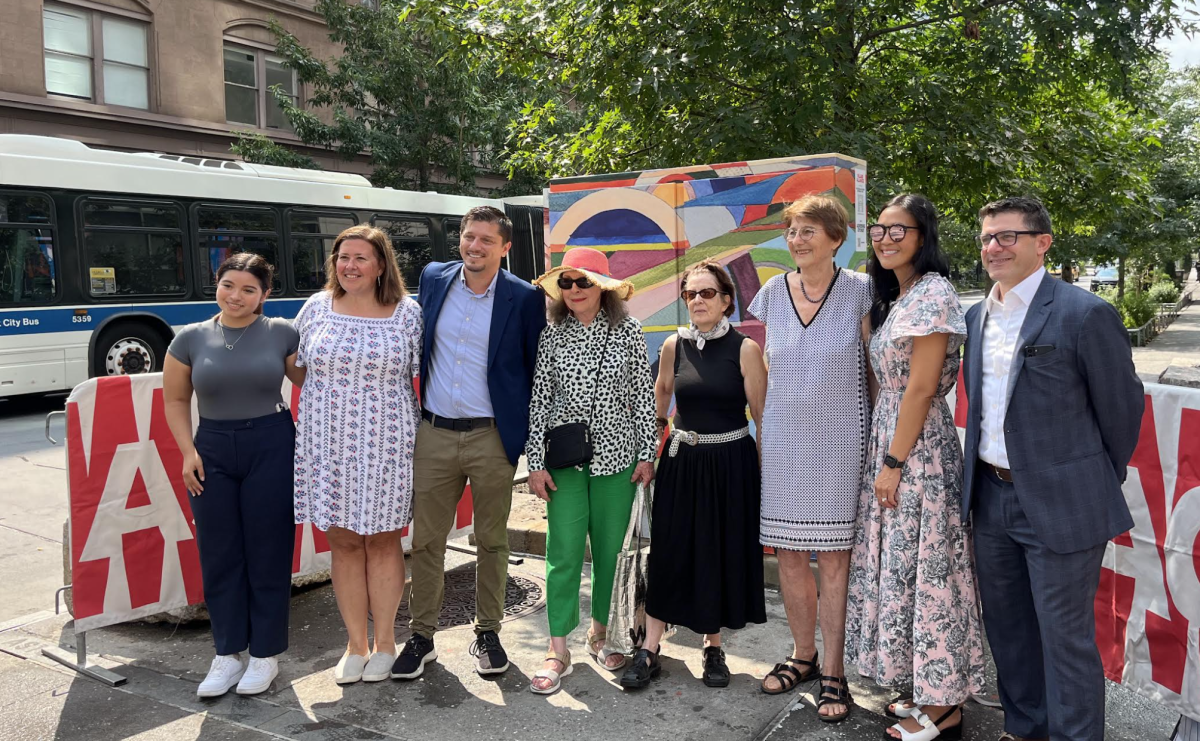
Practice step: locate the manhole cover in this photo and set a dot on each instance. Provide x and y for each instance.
(522, 595)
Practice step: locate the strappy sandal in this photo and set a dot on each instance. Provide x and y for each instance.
(554, 677)
(901, 708)
(834, 695)
(930, 730)
(601, 654)
(788, 677)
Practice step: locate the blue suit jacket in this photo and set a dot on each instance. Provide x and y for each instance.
(1073, 420)
(518, 317)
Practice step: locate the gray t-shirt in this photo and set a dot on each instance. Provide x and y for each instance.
(242, 383)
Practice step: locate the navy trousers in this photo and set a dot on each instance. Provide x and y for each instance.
(1039, 613)
(245, 529)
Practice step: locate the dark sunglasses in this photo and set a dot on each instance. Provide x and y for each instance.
(582, 281)
(704, 293)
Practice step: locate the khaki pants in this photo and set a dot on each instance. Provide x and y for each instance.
(442, 463)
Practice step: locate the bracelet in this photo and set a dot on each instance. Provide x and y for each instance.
(660, 422)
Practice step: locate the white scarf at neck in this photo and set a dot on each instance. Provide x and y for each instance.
(690, 332)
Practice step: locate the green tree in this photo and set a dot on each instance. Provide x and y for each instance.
(261, 150)
(399, 92)
(964, 100)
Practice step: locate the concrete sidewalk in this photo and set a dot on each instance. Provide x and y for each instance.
(1179, 344)
(164, 663)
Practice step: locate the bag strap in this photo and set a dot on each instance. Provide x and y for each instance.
(596, 386)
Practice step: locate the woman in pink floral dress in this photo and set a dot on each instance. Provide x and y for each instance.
(913, 610)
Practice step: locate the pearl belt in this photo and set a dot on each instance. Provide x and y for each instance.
(695, 438)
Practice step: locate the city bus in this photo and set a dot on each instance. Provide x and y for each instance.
(104, 254)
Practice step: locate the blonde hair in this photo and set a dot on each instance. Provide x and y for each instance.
(825, 210)
(390, 289)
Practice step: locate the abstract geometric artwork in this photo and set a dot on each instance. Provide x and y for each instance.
(654, 224)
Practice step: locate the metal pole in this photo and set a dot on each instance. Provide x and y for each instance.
(79, 662)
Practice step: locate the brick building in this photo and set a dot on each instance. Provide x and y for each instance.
(174, 76)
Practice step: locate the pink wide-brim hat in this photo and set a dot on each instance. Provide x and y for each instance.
(590, 262)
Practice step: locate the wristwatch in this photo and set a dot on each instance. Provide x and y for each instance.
(892, 462)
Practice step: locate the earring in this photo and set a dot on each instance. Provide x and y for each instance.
(378, 278)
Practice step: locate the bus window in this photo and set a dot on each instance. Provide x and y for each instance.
(312, 236)
(452, 228)
(133, 248)
(413, 245)
(227, 231)
(27, 267)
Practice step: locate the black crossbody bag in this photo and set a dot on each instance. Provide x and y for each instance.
(570, 445)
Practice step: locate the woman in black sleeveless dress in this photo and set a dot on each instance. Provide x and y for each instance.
(706, 564)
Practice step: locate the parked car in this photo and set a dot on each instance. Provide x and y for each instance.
(1105, 277)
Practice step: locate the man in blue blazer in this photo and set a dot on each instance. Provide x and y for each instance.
(481, 337)
(1054, 412)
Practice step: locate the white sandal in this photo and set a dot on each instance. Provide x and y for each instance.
(601, 655)
(554, 677)
(930, 729)
(901, 709)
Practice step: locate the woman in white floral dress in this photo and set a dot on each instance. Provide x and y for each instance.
(360, 340)
(913, 617)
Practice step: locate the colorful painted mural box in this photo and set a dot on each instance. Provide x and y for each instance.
(653, 225)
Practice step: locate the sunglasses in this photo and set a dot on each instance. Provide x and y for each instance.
(704, 293)
(582, 281)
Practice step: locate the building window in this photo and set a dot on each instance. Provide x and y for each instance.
(249, 75)
(95, 56)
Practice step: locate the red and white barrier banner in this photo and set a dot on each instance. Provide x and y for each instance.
(1148, 603)
(133, 542)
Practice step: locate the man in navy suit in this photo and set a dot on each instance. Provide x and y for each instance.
(481, 336)
(1054, 411)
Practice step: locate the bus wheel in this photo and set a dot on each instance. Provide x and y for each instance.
(127, 349)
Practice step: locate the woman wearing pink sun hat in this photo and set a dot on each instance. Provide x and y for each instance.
(591, 441)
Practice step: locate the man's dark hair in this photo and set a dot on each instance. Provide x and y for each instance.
(1037, 218)
(490, 215)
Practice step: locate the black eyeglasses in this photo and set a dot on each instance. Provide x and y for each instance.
(582, 281)
(704, 293)
(1006, 238)
(896, 231)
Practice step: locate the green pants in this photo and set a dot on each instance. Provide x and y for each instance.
(583, 506)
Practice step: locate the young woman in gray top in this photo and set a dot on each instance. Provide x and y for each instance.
(238, 470)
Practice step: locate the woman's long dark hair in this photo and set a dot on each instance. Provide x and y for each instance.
(929, 258)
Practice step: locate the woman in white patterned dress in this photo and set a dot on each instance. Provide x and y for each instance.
(813, 440)
(360, 340)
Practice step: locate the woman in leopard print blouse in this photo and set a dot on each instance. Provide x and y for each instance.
(589, 331)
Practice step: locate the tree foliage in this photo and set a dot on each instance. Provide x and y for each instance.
(960, 99)
(964, 100)
(259, 149)
(393, 92)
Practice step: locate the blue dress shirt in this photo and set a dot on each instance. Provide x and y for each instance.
(458, 367)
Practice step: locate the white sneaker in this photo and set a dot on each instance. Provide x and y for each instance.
(258, 676)
(379, 667)
(222, 675)
(350, 669)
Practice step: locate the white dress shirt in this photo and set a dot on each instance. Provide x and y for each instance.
(1001, 332)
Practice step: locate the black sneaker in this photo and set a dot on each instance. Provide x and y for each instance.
(716, 672)
(490, 655)
(644, 667)
(417, 652)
